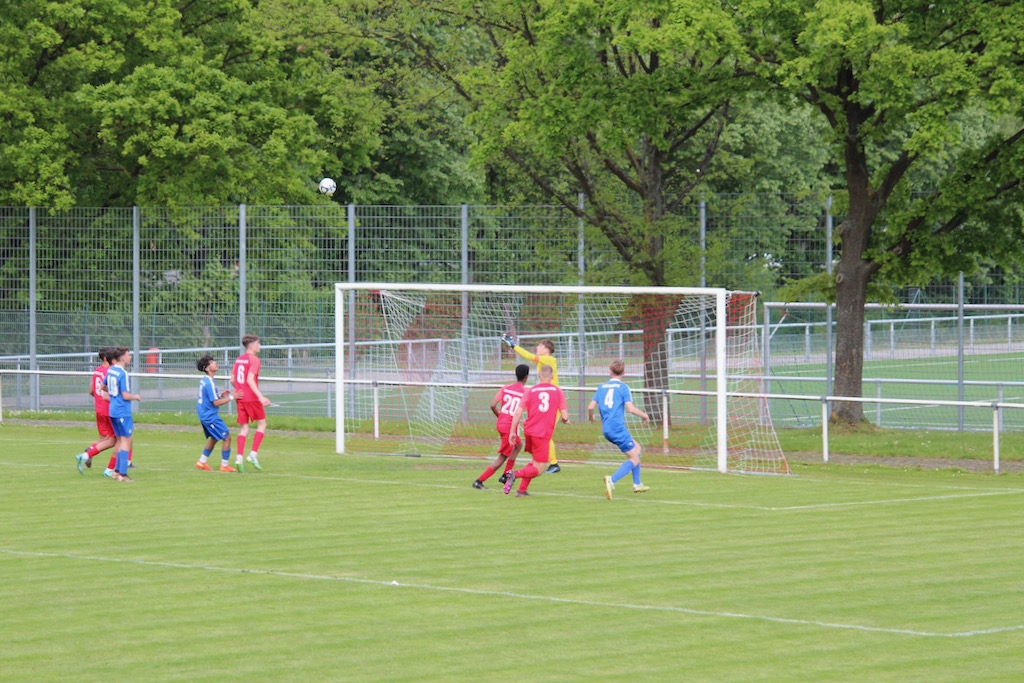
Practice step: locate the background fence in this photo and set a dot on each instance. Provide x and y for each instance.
(169, 282)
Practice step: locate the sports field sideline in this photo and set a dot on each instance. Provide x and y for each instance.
(373, 568)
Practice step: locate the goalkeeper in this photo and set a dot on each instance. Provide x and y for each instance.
(543, 357)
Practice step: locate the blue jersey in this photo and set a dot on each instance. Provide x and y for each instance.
(205, 409)
(611, 398)
(117, 385)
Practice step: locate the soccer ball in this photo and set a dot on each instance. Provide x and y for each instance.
(328, 186)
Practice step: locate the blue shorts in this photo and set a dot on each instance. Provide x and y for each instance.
(623, 440)
(123, 426)
(216, 429)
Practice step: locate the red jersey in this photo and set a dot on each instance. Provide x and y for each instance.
(99, 382)
(246, 366)
(543, 404)
(511, 397)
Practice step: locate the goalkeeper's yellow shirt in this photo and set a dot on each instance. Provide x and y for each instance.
(540, 360)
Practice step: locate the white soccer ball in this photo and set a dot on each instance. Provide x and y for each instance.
(328, 186)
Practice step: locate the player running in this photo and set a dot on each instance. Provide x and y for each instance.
(508, 397)
(245, 376)
(543, 357)
(118, 386)
(614, 399)
(101, 405)
(544, 403)
(208, 409)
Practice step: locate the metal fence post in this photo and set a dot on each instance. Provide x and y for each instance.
(241, 271)
(581, 329)
(32, 304)
(136, 298)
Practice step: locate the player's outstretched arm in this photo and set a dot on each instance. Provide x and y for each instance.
(639, 413)
(513, 431)
(591, 407)
(524, 353)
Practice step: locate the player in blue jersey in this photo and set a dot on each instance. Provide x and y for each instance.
(614, 399)
(208, 409)
(119, 391)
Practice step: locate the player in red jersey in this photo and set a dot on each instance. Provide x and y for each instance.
(245, 377)
(544, 403)
(508, 398)
(97, 389)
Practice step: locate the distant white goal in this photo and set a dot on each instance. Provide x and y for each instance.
(418, 365)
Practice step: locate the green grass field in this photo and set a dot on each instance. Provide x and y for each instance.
(375, 568)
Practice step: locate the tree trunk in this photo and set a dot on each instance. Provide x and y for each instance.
(656, 312)
(851, 294)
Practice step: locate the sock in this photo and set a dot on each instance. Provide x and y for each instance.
(205, 456)
(256, 441)
(112, 465)
(130, 457)
(225, 456)
(524, 484)
(241, 446)
(636, 475)
(122, 463)
(624, 469)
(91, 451)
(486, 475)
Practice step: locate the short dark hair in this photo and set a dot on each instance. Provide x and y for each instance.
(522, 372)
(104, 353)
(249, 339)
(204, 362)
(116, 352)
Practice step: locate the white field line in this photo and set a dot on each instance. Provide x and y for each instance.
(520, 596)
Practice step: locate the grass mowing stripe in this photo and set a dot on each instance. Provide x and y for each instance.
(520, 596)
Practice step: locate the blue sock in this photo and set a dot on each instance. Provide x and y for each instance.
(636, 474)
(206, 452)
(122, 463)
(225, 456)
(623, 470)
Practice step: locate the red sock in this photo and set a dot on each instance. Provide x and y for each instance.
(129, 456)
(113, 462)
(241, 445)
(486, 475)
(509, 465)
(92, 451)
(256, 441)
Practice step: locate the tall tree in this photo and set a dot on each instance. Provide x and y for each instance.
(894, 81)
(622, 101)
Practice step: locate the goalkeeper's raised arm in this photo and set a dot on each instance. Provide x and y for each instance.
(543, 356)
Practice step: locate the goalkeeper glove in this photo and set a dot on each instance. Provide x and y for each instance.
(508, 339)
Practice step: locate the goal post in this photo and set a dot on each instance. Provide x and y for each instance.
(417, 365)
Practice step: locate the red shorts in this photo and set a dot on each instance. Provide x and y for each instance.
(505, 448)
(537, 447)
(104, 426)
(249, 411)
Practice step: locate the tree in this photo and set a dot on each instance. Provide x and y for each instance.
(110, 102)
(895, 81)
(622, 101)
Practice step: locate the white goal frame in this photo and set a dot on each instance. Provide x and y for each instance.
(344, 305)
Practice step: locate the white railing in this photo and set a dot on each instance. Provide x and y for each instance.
(997, 407)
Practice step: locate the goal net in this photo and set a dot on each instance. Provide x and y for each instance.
(420, 364)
